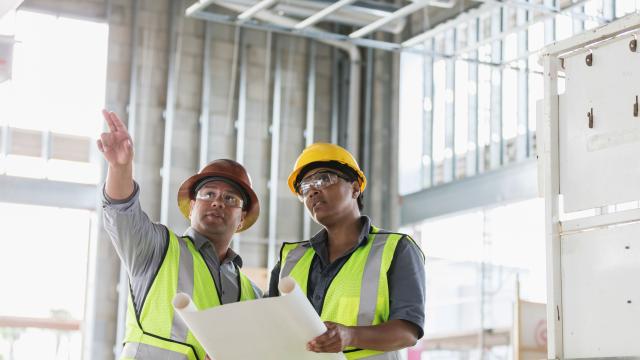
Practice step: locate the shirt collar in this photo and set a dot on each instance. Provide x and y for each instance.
(319, 240)
(200, 241)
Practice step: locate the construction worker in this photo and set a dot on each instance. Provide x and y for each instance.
(367, 284)
(219, 202)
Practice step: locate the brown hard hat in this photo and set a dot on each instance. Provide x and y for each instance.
(229, 170)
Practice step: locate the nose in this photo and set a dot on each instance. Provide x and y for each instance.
(313, 192)
(217, 202)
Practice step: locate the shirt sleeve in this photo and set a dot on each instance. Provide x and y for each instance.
(407, 285)
(274, 280)
(138, 241)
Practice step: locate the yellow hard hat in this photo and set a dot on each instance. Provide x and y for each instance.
(325, 152)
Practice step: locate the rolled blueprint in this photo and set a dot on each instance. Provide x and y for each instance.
(275, 328)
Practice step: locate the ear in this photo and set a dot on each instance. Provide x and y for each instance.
(192, 203)
(242, 217)
(355, 187)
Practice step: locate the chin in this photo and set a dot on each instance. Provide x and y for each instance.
(320, 219)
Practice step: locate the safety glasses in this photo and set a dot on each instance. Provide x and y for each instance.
(317, 181)
(228, 199)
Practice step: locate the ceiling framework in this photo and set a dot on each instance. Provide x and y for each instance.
(310, 18)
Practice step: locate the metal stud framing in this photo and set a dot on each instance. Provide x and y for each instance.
(241, 119)
(309, 133)
(169, 112)
(205, 97)
(275, 158)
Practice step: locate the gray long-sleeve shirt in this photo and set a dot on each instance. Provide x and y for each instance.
(140, 244)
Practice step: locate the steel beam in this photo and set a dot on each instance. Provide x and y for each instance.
(514, 182)
(311, 20)
(61, 194)
(400, 13)
(247, 14)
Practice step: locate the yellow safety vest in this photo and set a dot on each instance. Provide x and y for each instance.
(157, 332)
(359, 294)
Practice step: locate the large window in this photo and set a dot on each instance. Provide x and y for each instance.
(49, 120)
(489, 71)
(474, 262)
(50, 108)
(43, 267)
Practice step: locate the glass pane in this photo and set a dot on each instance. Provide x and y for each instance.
(58, 85)
(477, 257)
(461, 107)
(440, 95)
(411, 106)
(56, 250)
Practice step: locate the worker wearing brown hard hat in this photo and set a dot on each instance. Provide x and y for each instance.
(219, 201)
(366, 283)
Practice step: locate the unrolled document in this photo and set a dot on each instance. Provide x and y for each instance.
(276, 328)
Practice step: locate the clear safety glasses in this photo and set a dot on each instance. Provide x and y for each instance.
(317, 181)
(228, 199)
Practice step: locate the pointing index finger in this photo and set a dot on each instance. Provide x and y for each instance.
(107, 118)
(119, 125)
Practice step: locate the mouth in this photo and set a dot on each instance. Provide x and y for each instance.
(215, 214)
(316, 204)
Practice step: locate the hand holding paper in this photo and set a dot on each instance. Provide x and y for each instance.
(277, 328)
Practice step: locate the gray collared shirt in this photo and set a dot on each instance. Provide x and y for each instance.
(406, 276)
(141, 243)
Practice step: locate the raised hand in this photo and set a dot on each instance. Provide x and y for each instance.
(116, 145)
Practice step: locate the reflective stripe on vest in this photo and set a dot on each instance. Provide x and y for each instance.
(157, 330)
(359, 293)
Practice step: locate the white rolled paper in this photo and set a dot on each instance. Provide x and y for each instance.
(276, 328)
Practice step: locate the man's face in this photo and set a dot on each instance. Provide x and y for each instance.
(216, 210)
(327, 194)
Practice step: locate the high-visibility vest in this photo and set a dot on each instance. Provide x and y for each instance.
(359, 293)
(157, 332)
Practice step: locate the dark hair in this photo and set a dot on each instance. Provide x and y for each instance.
(348, 172)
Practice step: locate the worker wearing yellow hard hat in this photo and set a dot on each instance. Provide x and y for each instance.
(367, 284)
